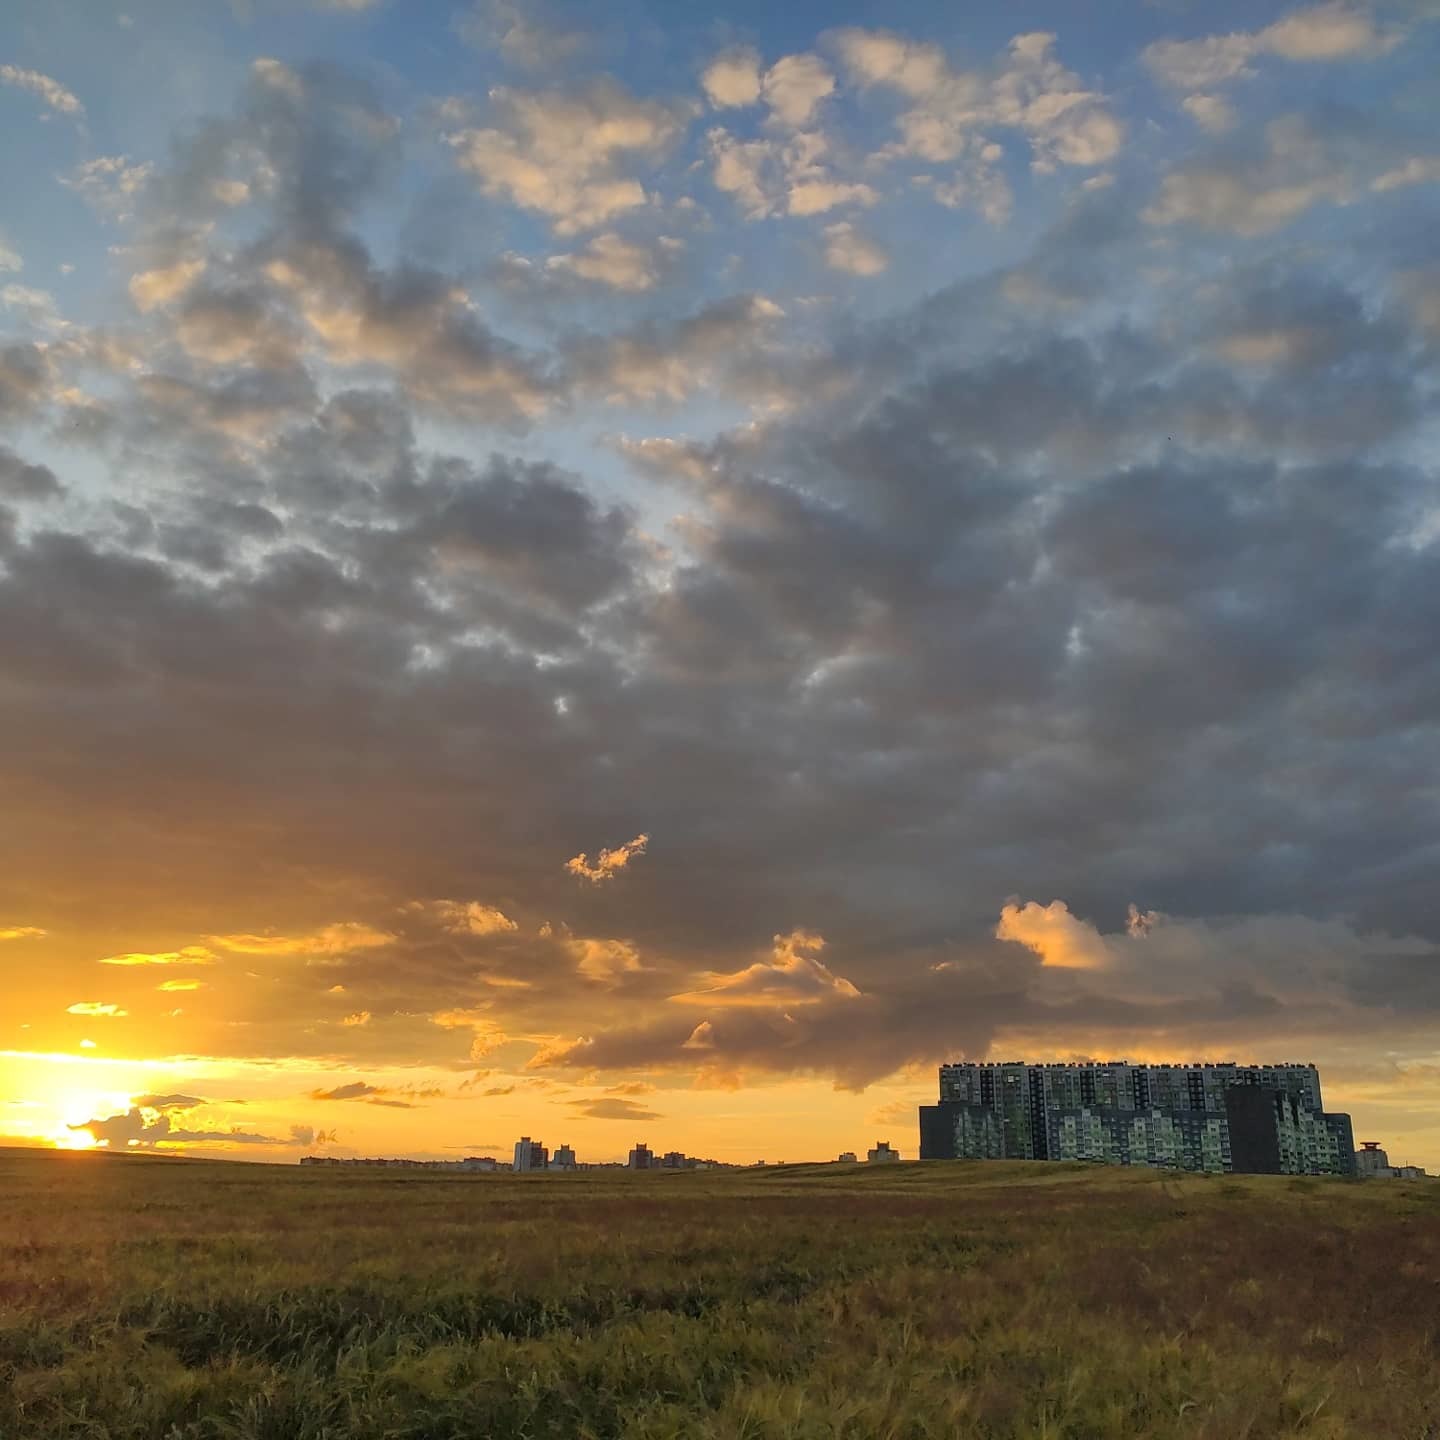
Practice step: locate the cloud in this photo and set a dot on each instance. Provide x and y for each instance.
(167, 1102)
(732, 78)
(1060, 939)
(22, 481)
(370, 1095)
(54, 95)
(141, 1127)
(793, 976)
(608, 259)
(722, 343)
(609, 863)
(1210, 112)
(358, 1018)
(1028, 90)
(165, 285)
(171, 986)
(9, 256)
(794, 86)
(528, 34)
(603, 961)
(1317, 33)
(486, 1034)
(188, 955)
(851, 252)
(564, 154)
(21, 932)
(329, 942)
(614, 1110)
(112, 184)
(355, 1090)
(465, 917)
(95, 1008)
(1258, 191)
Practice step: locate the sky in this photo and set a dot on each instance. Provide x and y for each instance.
(653, 572)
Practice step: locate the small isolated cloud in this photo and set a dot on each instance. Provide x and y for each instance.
(846, 249)
(369, 1094)
(54, 95)
(171, 986)
(21, 932)
(611, 260)
(167, 1102)
(1062, 941)
(357, 1019)
(356, 1090)
(465, 917)
(96, 1009)
(732, 78)
(189, 955)
(794, 86)
(614, 1110)
(330, 942)
(9, 256)
(609, 863)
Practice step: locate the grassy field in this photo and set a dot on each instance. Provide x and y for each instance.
(188, 1299)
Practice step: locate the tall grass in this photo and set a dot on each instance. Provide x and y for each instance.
(196, 1301)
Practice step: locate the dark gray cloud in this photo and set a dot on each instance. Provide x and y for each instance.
(22, 481)
(135, 1128)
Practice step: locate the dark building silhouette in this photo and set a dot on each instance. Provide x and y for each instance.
(1247, 1119)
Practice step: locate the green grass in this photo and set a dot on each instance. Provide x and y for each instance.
(141, 1297)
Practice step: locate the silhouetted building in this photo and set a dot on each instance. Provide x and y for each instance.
(881, 1153)
(563, 1159)
(641, 1157)
(1249, 1119)
(673, 1160)
(529, 1155)
(1372, 1161)
(847, 1157)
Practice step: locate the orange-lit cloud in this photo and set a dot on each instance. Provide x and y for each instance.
(465, 917)
(330, 941)
(609, 863)
(21, 932)
(190, 955)
(1060, 939)
(180, 985)
(792, 977)
(96, 1009)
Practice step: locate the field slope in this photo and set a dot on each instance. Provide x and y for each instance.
(141, 1297)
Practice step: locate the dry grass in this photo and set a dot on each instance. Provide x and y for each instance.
(189, 1300)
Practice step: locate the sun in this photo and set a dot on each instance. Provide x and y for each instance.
(75, 1140)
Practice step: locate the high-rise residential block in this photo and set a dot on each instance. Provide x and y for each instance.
(1247, 1119)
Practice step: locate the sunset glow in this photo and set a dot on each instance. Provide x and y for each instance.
(649, 572)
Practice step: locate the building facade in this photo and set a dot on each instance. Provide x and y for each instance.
(1246, 1119)
(641, 1157)
(563, 1158)
(529, 1155)
(881, 1154)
